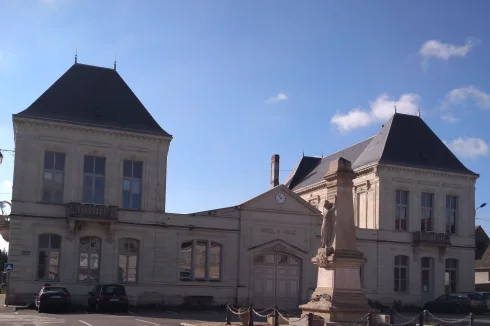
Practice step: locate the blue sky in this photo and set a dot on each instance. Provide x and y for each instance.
(237, 81)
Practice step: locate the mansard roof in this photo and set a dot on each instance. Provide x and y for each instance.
(405, 140)
(95, 96)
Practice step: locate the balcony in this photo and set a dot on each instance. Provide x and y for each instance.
(431, 238)
(79, 211)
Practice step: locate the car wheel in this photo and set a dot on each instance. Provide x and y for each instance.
(124, 309)
(97, 307)
(40, 309)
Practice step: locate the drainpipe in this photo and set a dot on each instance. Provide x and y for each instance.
(238, 253)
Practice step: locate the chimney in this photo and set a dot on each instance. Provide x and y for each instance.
(274, 170)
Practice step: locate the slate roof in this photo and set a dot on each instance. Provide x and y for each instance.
(482, 249)
(311, 170)
(95, 96)
(405, 140)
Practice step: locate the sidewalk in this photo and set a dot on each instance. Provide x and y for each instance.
(4, 309)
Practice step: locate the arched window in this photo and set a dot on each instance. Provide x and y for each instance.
(200, 260)
(400, 271)
(451, 275)
(128, 260)
(48, 264)
(89, 259)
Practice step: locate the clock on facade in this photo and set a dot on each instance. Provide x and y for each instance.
(280, 198)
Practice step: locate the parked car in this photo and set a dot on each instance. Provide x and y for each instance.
(52, 297)
(108, 296)
(459, 303)
(486, 296)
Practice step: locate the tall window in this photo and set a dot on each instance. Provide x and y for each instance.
(54, 171)
(401, 274)
(132, 173)
(427, 216)
(93, 180)
(451, 275)
(200, 260)
(426, 271)
(89, 262)
(401, 214)
(451, 213)
(128, 260)
(48, 257)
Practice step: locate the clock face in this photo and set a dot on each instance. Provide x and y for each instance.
(280, 198)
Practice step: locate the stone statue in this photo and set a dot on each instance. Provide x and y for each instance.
(328, 223)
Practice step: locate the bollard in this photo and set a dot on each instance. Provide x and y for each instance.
(472, 319)
(369, 317)
(426, 320)
(250, 316)
(276, 316)
(228, 315)
(310, 319)
(392, 316)
(421, 319)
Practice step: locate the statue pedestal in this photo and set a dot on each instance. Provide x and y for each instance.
(338, 296)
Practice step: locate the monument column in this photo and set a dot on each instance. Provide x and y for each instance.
(338, 296)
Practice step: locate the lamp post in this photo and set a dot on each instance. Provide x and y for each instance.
(6, 151)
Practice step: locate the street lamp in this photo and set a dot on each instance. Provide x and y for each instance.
(1, 157)
(482, 205)
(7, 151)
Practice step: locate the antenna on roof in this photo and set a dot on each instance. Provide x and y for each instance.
(395, 107)
(322, 153)
(418, 113)
(76, 55)
(114, 62)
(303, 153)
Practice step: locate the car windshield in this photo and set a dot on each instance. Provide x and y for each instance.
(55, 289)
(475, 296)
(486, 295)
(113, 289)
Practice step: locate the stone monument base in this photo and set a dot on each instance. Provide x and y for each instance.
(338, 296)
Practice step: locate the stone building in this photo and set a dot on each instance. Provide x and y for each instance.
(482, 260)
(88, 206)
(89, 194)
(414, 211)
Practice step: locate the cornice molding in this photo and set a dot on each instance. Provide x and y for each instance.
(435, 173)
(62, 126)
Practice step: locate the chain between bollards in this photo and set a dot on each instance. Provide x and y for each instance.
(472, 319)
(276, 316)
(228, 315)
(250, 316)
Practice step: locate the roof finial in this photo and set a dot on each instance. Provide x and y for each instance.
(418, 113)
(303, 153)
(76, 55)
(395, 107)
(114, 62)
(322, 153)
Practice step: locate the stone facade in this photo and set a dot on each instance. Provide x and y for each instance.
(249, 253)
(374, 193)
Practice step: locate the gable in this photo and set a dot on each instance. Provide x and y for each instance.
(292, 204)
(93, 96)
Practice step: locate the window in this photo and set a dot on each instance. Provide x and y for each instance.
(401, 274)
(401, 214)
(128, 260)
(200, 260)
(451, 275)
(426, 264)
(48, 257)
(132, 174)
(427, 212)
(53, 178)
(89, 262)
(451, 214)
(93, 180)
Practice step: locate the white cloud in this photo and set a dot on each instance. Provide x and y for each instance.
(468, 147)
(444, 51)
(449, 117)
(278, 98)
(469, 95)
(381, 109)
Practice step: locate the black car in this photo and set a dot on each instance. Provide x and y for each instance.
(52, 297)
(459, 303)
(108, 296)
